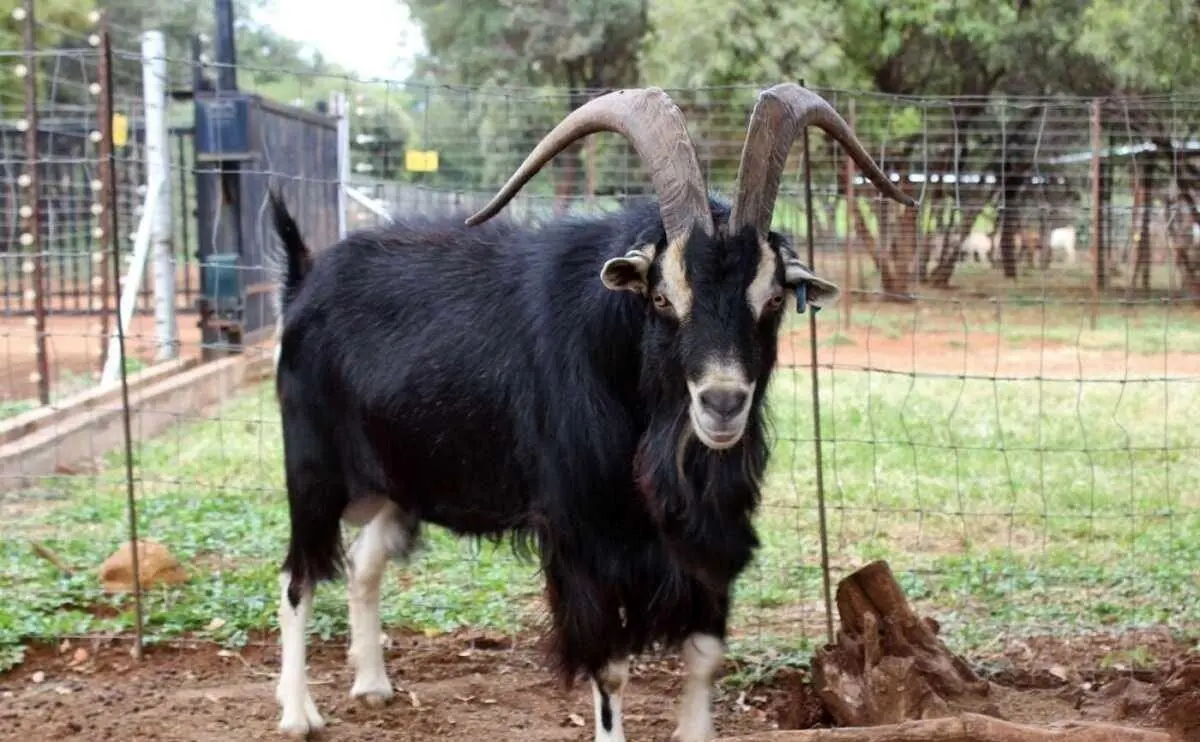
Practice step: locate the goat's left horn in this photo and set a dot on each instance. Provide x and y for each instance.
(780, 114)
(654, 125)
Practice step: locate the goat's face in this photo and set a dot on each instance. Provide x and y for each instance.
(714, 292)
(713, 310)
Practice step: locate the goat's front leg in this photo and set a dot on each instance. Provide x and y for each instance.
(608, 688)
(702, 655)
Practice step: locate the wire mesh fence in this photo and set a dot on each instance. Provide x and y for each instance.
(1005, 395)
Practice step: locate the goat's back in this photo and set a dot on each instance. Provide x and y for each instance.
(451, 360)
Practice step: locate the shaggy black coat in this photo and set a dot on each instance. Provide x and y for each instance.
(486, 381)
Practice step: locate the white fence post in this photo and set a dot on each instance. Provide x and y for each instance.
(341, 109)
(131, 283)
(158, 168)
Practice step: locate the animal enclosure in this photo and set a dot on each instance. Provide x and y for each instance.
(1014, 434)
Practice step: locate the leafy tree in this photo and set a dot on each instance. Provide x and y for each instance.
(580, 45)
(1148, 49)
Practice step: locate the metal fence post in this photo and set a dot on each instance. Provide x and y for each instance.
(341, 109)
(851, 213)
(31, 210)
(816, 396)
(158, 169)
(1097, 239)
(111, 210)
(104, 188)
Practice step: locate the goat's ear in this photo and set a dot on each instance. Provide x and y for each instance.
(629, 272)
(821, 293)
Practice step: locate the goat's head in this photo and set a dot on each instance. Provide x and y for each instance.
(714, 290)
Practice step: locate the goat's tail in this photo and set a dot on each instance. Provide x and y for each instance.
(299, 257)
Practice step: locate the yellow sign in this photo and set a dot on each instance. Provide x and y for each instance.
(421, 161)
(120, 129)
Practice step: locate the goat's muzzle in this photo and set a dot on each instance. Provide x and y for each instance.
(719, 411)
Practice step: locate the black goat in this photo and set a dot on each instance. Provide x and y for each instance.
(593, 388)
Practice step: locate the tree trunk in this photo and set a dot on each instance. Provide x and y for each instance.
(907, 250)
(893, 273)
(1186, 254)
(948, 261)
(1100, 239)
(1143, 205)
(1010, 223)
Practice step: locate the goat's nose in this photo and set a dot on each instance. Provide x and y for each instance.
(724, 402)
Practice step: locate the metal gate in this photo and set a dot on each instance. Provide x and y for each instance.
(243, 144)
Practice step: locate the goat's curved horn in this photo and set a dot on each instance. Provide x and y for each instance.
(654, 125)
(780, 114)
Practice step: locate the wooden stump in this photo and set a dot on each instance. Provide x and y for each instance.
(1178, 705)
(889, 678)
(888, 664)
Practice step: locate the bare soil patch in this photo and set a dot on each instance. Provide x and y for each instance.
(73, 346)
(472, 687)
(978, 354)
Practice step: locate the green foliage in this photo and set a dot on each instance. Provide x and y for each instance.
(1148, 47)
(926, 47)
(993, 50)
(693, 44)
(531, 42)
(527, 45)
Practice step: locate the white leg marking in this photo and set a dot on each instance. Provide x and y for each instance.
(379, 539)
(278, 339)
(612, 682)
(300, 715)
(702, 655)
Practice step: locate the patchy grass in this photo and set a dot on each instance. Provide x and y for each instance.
(1006, 508)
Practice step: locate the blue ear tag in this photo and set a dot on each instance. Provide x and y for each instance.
(802, 297)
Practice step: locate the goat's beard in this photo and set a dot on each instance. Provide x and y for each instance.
(702, 499)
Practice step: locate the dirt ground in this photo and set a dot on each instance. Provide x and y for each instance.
(980, 355)
(471, 686)
(73, 349)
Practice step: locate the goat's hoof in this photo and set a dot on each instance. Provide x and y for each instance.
(302, 721)
(299, 726)
(374, 700)
(374, 694)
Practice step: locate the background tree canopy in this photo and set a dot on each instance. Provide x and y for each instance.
(983, 48)
(996, 57)
(499, 73)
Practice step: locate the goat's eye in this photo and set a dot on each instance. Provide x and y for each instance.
(661, 301)
(776, 300)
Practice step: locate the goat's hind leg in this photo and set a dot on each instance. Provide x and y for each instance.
(608, 689)
(300, 715)
(385, 536)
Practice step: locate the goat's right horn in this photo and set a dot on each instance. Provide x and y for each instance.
(780, 114)
(654, 125)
